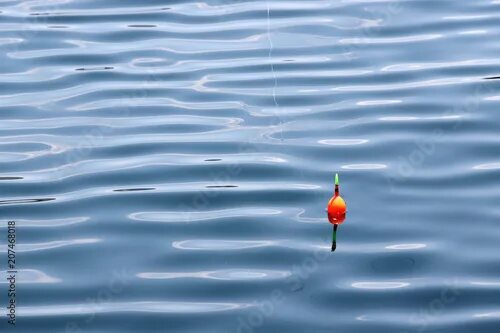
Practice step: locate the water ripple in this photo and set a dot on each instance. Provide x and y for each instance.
(53, 245)
(31, 276)
(221, 245)
(192, 216)
(193, 144)
(127, 307)
(230, 274)
(380, 285)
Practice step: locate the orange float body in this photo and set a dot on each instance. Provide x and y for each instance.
(336, 208)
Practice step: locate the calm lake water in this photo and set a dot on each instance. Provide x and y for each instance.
(168, 164)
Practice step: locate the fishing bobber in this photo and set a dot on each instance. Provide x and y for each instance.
(336, 211)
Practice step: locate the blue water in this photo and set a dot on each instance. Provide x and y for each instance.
(168, 164)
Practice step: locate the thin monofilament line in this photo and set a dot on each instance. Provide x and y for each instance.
(271, 47)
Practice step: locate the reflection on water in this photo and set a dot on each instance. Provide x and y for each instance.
(22, 247)
(380, 285)
(405, 246)
(231, 274)
(134, 189)
(220, 245)
(195, 216)
(168, 164)
(24, 201)
(127, 307)
(31, 276)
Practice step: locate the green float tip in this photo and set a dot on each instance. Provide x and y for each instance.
(336, 179)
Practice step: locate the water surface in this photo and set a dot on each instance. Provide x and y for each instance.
(168, 164)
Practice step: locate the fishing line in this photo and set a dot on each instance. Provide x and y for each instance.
(275, 78)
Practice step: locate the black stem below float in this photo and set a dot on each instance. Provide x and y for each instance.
(334, 237)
